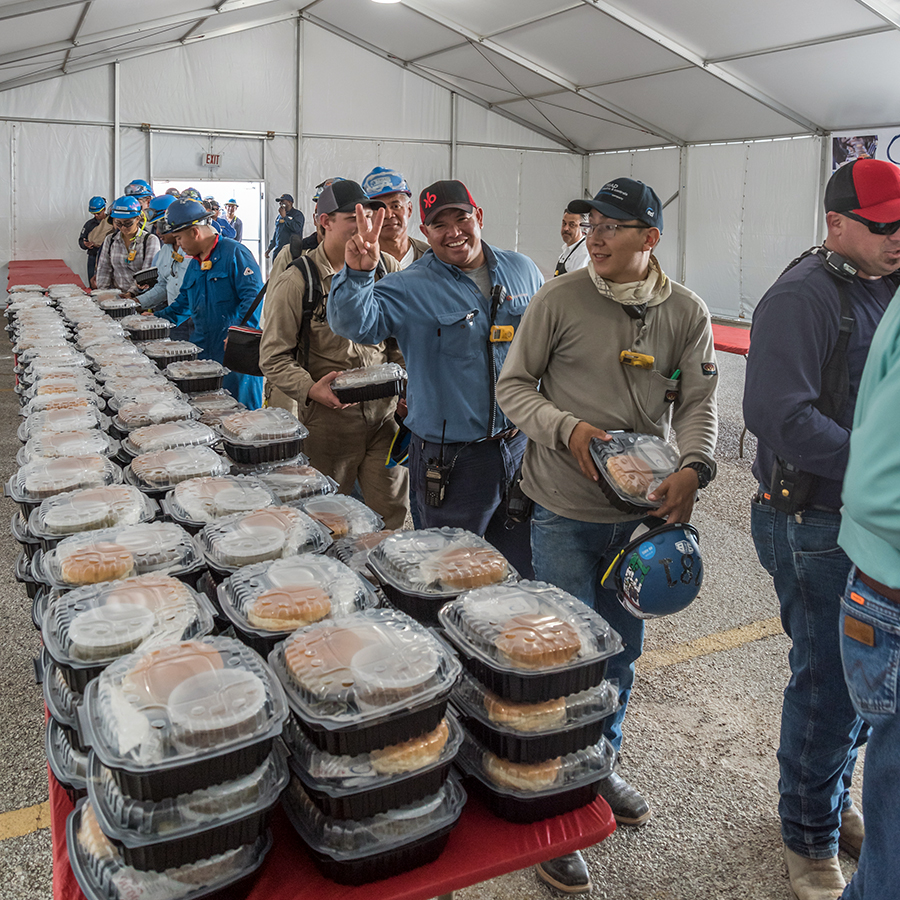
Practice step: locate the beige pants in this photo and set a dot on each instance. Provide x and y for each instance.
(344, 445)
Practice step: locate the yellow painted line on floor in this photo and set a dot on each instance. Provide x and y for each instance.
(711, 643)
(20, 822)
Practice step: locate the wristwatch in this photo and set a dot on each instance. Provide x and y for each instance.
(704, 473)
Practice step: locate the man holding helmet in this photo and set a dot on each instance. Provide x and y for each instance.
(563, 386)
(220, 285)
(130, 248)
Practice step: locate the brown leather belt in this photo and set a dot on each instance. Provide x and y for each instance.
(879, 588)
(507, 435)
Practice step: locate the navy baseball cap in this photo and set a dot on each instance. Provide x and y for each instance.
(444, 195)
(869, 188)
(624, 198)
(287, 197)
(342, 197)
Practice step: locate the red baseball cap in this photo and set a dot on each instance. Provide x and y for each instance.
(444, 195)
(870, 188)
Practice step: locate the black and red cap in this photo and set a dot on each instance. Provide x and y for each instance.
(869, 188)
(444, 195)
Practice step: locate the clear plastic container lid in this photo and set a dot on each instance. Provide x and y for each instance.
(103, 875)
(347, 839)
(169, 436)
(338, 775)
(66, 289)
(81, 398)
(68, 357)
(139, 413)
(141, 388)
(528, 626)
(139, 324)
(117, 303)
(96, 624)
(342, 515)
(79, 381)
(32, 335)
(362, 668)
(254, 427)
(294, 480)
(67, 419)
(48, 477)
(112, 553)
(44, 348)
(634, 465)
(170, 350)
(62, 702)
(89, 509)
(473, 699)
(353, 551)
(273, 533)
(281, 595)
(67, 762)
(213, 406)
(110, 355)
(52, 444)
(135, 823)
(163, 469)
(203, 500)
(354, 378)
(162, 708)
(101, 293)
(195, 368)
(23, 288)
(140, 368)
(438, 562)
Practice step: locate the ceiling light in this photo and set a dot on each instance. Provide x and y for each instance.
(385, 1)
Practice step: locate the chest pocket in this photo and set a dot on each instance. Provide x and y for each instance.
(511, 311)
(457, 335)
(654, 393)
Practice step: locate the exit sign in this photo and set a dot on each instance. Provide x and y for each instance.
(212, 159)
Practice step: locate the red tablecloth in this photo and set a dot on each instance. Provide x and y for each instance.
(480, 847)
(730, 339)
(41, 271)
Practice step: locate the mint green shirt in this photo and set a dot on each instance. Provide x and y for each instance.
(870, 525)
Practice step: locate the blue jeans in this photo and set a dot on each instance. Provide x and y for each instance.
(820, 730)
(475, 496)
(574, 556)
(871, 656)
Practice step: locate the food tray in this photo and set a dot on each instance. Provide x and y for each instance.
(272, 533)
(294, 480)
(53, 420)
(88, 509)
(68, 764)
(86, 629)
(261, 435)
(182, 717)
(18, 527)
(213, 406)
(387, 844)
(54, 444)
(531, 732)
(24, 574)
(269, 600)
(134, 387)
(146, 276)
(356, 787)
(532, 791)
(162, 470)
(112, 553)
(45, 478)
(62, 702)
(102, 874)
(80, 399)
(165, 352)
(141, 367)
(139, 413)
(169, 436)
(182, 829)
(632, 466)
(199, 501)
(144, 392)
(529, 642)
(79, 383)
(342, 515)
(118, 307)
(353, 551)
(369, 383)
(44, 348)
(197, 375)
(366, 680)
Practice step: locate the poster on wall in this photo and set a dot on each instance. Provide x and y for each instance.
(865, 143)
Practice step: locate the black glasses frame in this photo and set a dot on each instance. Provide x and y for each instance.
(883, 229)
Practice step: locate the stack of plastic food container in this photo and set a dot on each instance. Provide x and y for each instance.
(195, 376)
(199, 501)
(371, 743)
(85, 630)
(292, 480)
(342, 515)
(184, 770)
(534, 700)
(369, 383)
(166, 351)
(259, 436)
(419, 571)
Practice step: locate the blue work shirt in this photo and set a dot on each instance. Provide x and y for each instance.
(285, 226)
(170, 275)
(224, 227)
(217, 298)
(440, 319)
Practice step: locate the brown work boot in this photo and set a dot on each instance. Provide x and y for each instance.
(814, 879)
(853, 830)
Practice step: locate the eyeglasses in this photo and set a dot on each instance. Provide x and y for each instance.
(124, 223)
(607, 229)
(880, 228)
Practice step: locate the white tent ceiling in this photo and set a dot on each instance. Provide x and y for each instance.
(592, 75)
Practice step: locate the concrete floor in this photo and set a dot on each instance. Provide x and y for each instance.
(700, 736)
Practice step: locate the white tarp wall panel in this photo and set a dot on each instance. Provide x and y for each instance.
(82, 96)
(281, 176)
(182, 156)
(134, 158)
(658, 168)
(494, 178)
(752, 208)
(477, 125)
(244, 82)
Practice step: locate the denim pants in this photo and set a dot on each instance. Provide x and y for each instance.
(870, 649)
(820, 730)
(574, 556)
(475, 495)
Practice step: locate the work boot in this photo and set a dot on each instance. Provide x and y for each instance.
(852, 832)
(627, 805)
(814, 879)
(566, 873)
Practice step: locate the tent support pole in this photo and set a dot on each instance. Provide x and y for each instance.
(823, 179)
(117, 136)
(298, 155)
(682, 212)
(586, 175)
(454, 109)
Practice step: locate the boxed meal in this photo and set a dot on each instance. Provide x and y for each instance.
(342, 515)
(118, 307)
(62, 701)
(160, 470)
(67, 763)
(165, 352)
(146, 328)
(80, 442)
(369, 383)
(631, 467)
(196, 375)
(294, 479)
(140, 413)
(50, 420)
(79, 399)
(45, 478)
(18, 527)
(261, 435)
(169, 436)
(198, 501)
(353, 551)
(213, 406)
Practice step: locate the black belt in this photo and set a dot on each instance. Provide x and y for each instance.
(507, 435)
(888, 593)
(765, 499)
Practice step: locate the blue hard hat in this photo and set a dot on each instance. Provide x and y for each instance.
(190, 194)
(137, 189)
(125, 208)
(381, 181)
(232, 202)
(209, 197)
(96, 204)
(321, 187)
(157, 208)
(658, 573)
(183, 214)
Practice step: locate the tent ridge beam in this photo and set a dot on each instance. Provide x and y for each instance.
(885, 11)
(799, 45)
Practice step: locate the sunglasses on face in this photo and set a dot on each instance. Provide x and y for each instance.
(880, 228)
(124, 223)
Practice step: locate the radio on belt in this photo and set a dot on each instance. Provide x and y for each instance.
(640, 360)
